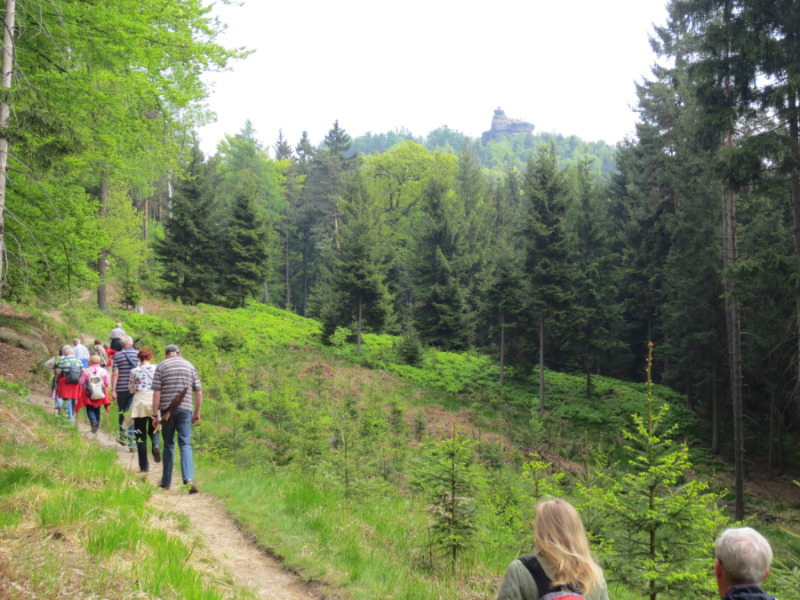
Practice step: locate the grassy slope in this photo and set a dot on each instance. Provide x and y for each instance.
(265, 374)
(72, 525)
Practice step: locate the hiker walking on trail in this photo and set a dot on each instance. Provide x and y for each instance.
(52, 363)
(95, 384)
(141, 408)
(68, 377)
(116, 336)
(80, 352)
(125, 361)
(98, 350)
(173, 383)
(561, 561)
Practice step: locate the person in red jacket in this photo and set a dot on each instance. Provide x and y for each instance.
(93, 405)
(67, 394)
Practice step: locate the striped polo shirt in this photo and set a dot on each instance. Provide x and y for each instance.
(172, 376)
(125, 361)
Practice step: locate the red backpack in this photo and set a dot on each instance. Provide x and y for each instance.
(545, 584)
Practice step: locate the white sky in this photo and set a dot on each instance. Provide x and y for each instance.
(567, 66)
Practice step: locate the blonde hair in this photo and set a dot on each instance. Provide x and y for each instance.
(95, 359)
(559, 537)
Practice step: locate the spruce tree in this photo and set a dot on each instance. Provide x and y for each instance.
(660, 522)
(595, 317)
(245, 249)
(359, 275)
(440, 311)
(186, 252)
(547, 259)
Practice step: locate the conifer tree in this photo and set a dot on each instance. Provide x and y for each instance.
(450, 479)
(595, 315)
(501, 303)
(245, 255)
(359, 275)
(440, 313)
(318, 216)
(547, 260)
(186, 253)
(660, 523)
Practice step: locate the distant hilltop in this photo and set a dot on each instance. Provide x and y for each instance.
(502, 126)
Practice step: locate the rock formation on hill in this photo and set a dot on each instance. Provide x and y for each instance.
(503, 126)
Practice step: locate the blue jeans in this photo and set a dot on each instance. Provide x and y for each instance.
(124, 400)
(180, 422)
(94, 413)
(70, 405)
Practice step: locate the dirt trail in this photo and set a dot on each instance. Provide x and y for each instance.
(221, 542)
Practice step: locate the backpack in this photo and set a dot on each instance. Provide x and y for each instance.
(544, 583)
(73, 370)
(95, 388)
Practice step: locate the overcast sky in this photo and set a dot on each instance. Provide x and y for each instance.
(567, 66)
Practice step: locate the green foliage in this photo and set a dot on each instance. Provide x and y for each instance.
(410, 347)
(72, 486)
(450, 480)
(545, 483)
(660, 523)
(131, 295)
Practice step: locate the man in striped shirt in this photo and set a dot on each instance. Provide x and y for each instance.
(174, 375)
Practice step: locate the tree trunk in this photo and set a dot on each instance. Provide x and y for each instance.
(288, 277)
(714, 410)
(146, 216)
(266, 292)
(733, 320)
(771, 447)
(5, 112)
(541, 362)
(794, 141)
(101, 262)
(502, 344)
(360, 312)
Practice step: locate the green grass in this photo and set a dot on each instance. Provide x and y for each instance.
(272, 391)
(85, 512)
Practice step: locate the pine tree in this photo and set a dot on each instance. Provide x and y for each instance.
(595, 315)
(501, 304)
(660, 523)
(244, 259)
(547, 260)
(359, 276)
(450, 480)
(282, 147)
(440, 312)
(187, 253)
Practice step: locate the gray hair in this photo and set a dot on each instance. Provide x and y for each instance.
(76, 341)
(745, 555)
(67, 349)
(126, 340)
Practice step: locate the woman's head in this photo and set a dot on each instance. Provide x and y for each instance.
(560, 538)
(95, 359)
(145, 354)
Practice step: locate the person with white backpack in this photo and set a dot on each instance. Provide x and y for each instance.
(95, 394)
(141, 386)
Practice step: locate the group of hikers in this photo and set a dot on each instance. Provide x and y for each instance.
(151, 398)
(562, 565)
(154, 397)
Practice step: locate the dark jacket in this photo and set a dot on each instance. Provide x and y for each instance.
(747, 592)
